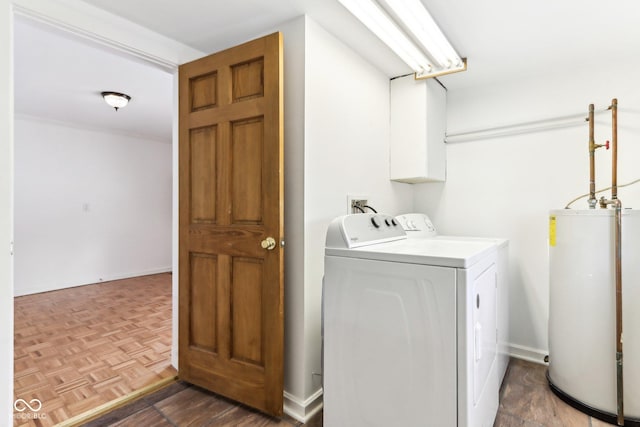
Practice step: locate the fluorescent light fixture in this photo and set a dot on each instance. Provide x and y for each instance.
(374, 18)
(116, 99)
(410, 31)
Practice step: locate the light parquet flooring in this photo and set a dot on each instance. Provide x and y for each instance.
(78, 348)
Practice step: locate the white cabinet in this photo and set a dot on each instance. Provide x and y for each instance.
(418, 125)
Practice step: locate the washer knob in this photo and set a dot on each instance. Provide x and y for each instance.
(375, 221)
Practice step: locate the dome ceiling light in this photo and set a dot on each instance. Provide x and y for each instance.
(116, 99)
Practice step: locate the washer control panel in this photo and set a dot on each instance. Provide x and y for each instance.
(351, 231)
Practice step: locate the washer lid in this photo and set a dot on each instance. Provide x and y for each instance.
(437, 252)
(419, 226)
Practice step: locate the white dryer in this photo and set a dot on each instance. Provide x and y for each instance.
(419, 226)
(409, 327)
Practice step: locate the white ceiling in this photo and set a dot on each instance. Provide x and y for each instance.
(59, 77)
(503, 40)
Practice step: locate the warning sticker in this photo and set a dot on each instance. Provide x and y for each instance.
(552, 231)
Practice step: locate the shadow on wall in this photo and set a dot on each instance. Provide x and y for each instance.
(433, 192)
(524, 308)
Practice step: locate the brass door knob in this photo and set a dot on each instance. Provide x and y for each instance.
(269, 243)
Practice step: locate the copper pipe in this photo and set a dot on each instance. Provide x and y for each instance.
(619, 365)
(592, 162)
(618, 259)
(618, 287)
(618, 249)
(614, 149)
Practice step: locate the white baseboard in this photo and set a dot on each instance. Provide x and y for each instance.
(534, 355)
(46, 287)
(302, 410)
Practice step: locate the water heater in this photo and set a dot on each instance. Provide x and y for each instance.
(582, 309)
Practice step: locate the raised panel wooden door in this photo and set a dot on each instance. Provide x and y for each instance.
(231, 318)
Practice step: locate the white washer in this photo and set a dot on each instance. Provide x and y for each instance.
(409, 327)
(419, 226)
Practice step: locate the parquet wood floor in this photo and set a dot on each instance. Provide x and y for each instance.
(78, 348)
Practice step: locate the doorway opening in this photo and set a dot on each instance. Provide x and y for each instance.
(93, 220)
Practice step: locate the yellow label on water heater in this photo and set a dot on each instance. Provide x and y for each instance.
(552, 231)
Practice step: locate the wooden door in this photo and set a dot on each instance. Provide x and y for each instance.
(231, 202)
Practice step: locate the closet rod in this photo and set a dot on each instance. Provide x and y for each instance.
(518, 128)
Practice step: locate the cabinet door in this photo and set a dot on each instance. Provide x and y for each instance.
(418, 123)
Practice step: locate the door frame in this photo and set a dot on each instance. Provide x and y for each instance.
(97, 25)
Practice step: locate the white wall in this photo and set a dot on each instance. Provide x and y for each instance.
(346, 152)
(293, 34)
(6, 214)
(90, 206)
(505, 186)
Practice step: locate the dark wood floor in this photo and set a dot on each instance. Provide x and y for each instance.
(525, 400)
(182, 404)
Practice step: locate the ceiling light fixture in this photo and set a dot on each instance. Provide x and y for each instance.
(116, 99)
(410, 31)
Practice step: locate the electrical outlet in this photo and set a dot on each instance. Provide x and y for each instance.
(356, 204)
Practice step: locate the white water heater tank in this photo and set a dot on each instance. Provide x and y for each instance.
(582, 330)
